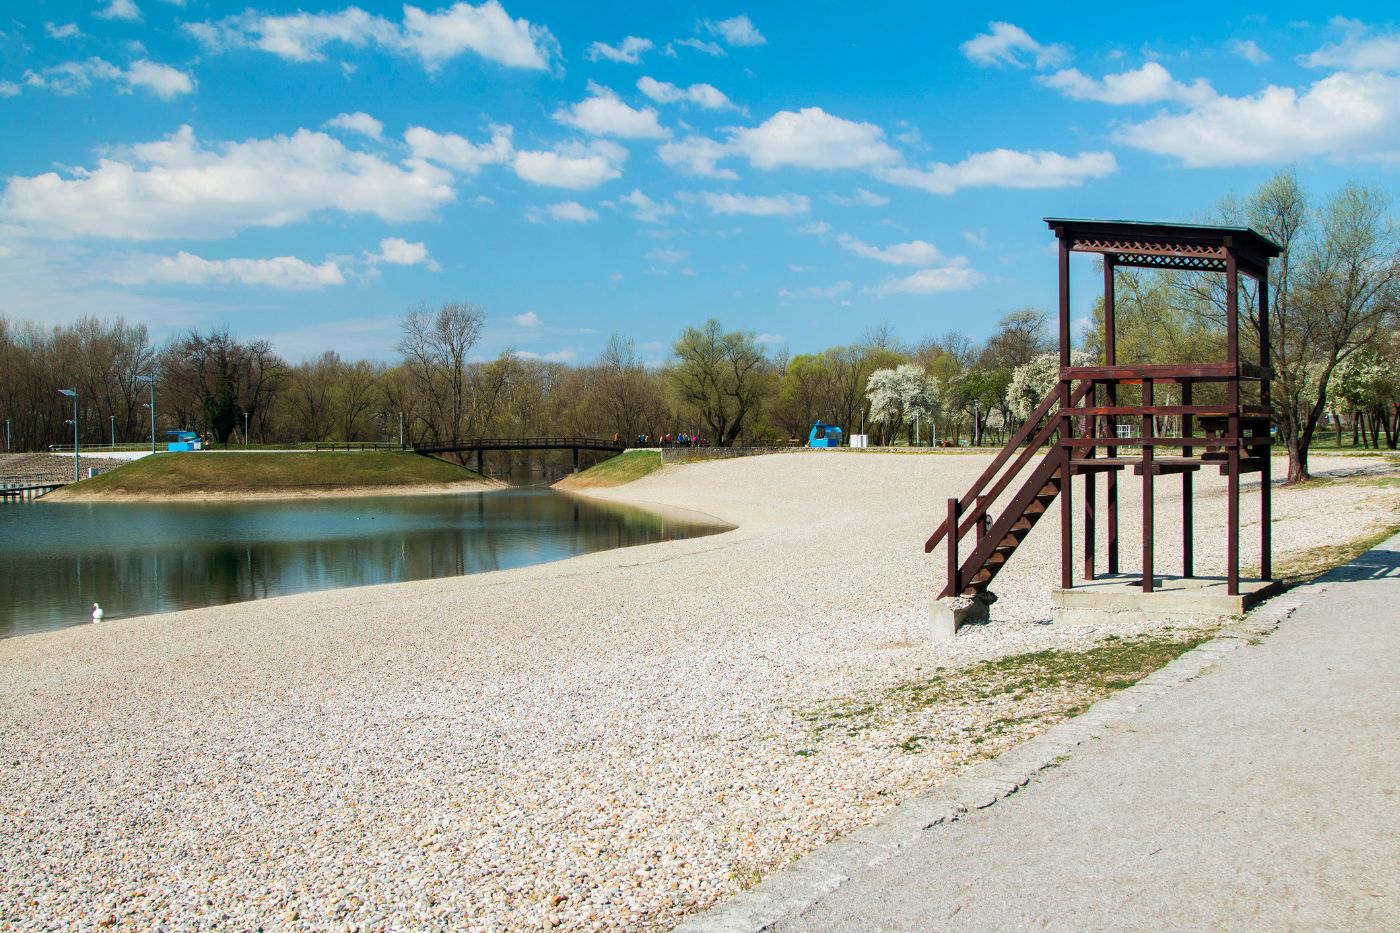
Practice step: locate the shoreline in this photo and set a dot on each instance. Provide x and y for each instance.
(646, 699)
(284, 492)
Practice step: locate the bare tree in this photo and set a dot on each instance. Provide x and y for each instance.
(436, 346)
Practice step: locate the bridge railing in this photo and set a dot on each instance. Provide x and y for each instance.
(523, 443)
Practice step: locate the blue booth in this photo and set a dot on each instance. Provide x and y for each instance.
(184, 440)
(825, 435)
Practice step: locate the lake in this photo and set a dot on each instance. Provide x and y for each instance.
(57, 559)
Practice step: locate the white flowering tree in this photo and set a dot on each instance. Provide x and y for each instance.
(1366, 385)
(1032, 381)
(901, 395)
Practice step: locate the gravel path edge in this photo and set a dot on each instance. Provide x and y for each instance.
(788, 893)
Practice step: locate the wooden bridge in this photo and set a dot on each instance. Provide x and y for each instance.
(27, 489)
(482, 444)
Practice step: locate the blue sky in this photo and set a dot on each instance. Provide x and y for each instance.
(306, 173)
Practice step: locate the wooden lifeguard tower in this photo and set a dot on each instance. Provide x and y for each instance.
(1075, 432)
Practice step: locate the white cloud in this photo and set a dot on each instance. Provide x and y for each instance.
(74, 77)
(737, 30)
(667, 255)
(976, 237)
(812, 138)
(399, 252)
(913, 253)
(568, 211)
(1005, 44)
(283, 272)
(1340, 115)
(357, 122)
(862, 198)
(120, 9)
(66, 31)
(1358, 50)
(706, 96)
(1250, 51)
(697, 155)
(757, 205)
(957, 276)
(161, 80)
(603, 114)
(528, 319)
(556, 356)
(454, 151)
(816, 291)
(628, 52)
(819, 228)
(1005, 168)
(9, 89)
(177, 187)
(574, 166)
(700, 45)
(432, 38)
(644, 208)
(1145, 85)
(769, 338)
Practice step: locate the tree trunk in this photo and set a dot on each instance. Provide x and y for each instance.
(1297, 460)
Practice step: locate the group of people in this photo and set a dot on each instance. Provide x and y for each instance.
(670, 440)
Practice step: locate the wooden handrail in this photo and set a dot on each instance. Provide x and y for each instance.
(974, 514)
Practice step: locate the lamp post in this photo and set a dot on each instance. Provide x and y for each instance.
(113, 419)
(245, 429)
(151, 381)
(400, 430)
(73, 394)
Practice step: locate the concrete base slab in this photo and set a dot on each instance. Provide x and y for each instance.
(1120, 597)
(946, 616)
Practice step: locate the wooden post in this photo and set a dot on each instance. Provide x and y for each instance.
(1066, 431)
(954, 516)
(983, 519)
(1232, 349)
(1090, 491)
(480, 466)
(1147, 465)
(1187, 493)
(1110, 351)
(575, 459)
(1266, 493)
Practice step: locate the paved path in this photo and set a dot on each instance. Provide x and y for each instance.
(1264, 795)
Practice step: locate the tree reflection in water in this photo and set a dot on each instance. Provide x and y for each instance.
(135, 559)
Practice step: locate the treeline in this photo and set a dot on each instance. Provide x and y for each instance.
(723, 386)
(1334, 309)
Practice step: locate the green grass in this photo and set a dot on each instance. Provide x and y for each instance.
(1302, 568)
(1061, 684)
(616, 471)
(199, 472)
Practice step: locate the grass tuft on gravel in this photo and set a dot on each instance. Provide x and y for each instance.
(1307, 566)
(625, 468)
(1005, 697)
(198, 472)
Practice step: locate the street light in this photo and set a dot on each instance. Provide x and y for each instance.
(113, 419)
(245, 429)
(151, 381)
(73, 394)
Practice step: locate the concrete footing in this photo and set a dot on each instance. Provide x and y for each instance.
(946, 616)
(1120, 598)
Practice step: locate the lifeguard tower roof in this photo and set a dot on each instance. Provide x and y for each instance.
(1199, 247)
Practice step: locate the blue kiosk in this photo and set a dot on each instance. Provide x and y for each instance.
(184, 440)
(825, 435)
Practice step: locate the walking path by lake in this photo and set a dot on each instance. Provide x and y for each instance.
(615, 740)
(1262, 795)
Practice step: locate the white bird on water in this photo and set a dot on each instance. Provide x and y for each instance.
(96, 613)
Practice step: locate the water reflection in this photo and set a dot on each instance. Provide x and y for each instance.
(56, 559)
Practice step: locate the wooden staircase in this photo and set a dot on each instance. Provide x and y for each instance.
(998, 538)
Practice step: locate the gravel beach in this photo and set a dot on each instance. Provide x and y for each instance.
(603, 742)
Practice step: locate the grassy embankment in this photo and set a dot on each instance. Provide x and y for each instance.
(614, 471)
(208, 473)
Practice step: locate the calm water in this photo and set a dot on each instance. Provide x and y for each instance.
(57, 559)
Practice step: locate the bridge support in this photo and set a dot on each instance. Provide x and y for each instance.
(480, 466)
(575, 459)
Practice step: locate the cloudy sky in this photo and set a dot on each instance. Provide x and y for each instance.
(307, 172)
